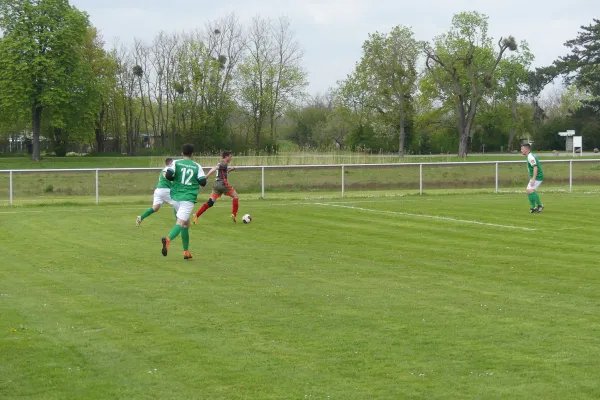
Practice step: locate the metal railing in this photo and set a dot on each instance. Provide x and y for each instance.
(343, 170)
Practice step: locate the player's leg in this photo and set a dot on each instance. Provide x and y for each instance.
(211, 202)
(166, 196)
(531, 197)
(536, 197)
(185, 240)
(184, 209)
(156, 203)
(235, 203)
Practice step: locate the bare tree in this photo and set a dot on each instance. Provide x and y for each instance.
(254, 75)
(126, 81)
(140, 69)
(289, 79)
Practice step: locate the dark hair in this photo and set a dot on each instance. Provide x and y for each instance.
(225, 154)
(528, 145)
(168, 161)
(188, 150)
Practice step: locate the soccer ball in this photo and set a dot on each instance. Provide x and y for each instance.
(247, 218)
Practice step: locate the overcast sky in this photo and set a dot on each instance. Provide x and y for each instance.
(331, 32)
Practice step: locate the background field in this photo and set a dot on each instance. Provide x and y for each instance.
(436, 297)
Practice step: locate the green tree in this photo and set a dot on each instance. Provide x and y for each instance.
(389, 67)
(306, 120)
(39, 56)
(582, 65)
(513, 75)
(339, 124)
(462, 64)
(101, 83)
(582, 68)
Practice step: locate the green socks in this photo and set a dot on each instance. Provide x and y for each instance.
(147, 213)
(185, 238)
(175, 231)
(531, 198)
(185, 235)
(534, 199)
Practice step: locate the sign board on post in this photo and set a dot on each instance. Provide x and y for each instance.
(577, 145)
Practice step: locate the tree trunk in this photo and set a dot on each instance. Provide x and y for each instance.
(463, 134)
(511, 137)
(36, 123)
(60, 142)
(99, 131)
(465, 124)
(144, 107)
(402, 133)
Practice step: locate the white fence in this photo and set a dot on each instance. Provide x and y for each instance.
(588, 174)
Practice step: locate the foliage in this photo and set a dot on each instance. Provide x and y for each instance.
(462, 67)
(40, 60)
(388, 70)
(242, 87)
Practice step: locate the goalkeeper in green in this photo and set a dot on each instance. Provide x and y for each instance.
(536, 176)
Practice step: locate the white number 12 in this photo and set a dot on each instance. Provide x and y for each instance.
(186, 180)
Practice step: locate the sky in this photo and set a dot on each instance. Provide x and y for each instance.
(331, 32)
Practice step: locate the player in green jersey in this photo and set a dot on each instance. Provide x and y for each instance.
(536, 177)
(186, 176)
(162, 194)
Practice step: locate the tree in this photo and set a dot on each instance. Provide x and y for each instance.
(139, 70)
(288, 77)
(582, 68)
(306, 120)
(582, 65)
(389, 67)
(462, 63)
(270, 76)
(101, 82)
(39, 56)
(337, 127)
(513, 75)
(126, 82)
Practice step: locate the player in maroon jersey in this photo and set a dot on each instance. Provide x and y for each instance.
(221, 187)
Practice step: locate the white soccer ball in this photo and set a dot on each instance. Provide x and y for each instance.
(247, 218)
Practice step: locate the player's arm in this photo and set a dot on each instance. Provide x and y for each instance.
(212, 170)
(201, 178)
(230, 169)
(169, 174)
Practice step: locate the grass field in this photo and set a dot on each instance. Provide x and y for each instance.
(432, 297)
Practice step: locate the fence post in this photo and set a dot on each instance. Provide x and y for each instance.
(262, 182)
(97, 190)
(10, 188)
(571, 176)
(421, 179)
(496, 177)
(343, 180)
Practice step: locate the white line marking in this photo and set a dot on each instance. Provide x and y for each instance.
(466, 221)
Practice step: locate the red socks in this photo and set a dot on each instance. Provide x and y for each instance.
(202, 209)
(235, 206)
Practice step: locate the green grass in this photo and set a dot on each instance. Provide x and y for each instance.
(397, 298)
